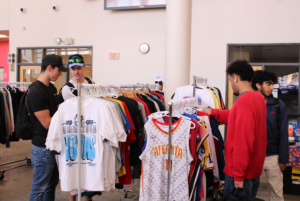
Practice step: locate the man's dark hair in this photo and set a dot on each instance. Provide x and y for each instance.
(44, 67)
(261, 76)
(161, 83)
(241, 68)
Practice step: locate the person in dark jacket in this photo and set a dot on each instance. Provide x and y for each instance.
(277, 134)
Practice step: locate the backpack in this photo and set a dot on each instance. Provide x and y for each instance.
(69, 84)
(277, 109)
(24, 128)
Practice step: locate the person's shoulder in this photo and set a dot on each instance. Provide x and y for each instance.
(252, 95)
(250, 98)
(89, 80)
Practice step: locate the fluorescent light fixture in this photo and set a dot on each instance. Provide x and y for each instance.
(3, 36)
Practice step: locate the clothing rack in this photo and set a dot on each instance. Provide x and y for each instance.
(27, 159)
(18, 84)
(171, 104)
(79, 87)
(178, 105)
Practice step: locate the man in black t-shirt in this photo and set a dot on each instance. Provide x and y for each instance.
(42, 104)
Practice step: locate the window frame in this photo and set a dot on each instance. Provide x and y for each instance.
(18, 56)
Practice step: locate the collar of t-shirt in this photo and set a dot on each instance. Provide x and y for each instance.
(243, 93)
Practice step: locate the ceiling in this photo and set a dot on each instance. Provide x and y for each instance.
(4, 33)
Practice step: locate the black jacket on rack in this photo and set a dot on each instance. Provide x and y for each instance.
(2, 121)
(146, 99)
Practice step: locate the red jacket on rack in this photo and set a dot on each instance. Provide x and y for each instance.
(246, 141)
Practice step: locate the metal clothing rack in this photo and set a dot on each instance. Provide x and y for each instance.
(171, 104)
(79, 87)
(27, 159)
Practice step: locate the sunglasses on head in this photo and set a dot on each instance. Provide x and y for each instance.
(76, 60)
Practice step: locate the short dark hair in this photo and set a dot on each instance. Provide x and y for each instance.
(241, 68)
(44, 67)
(161, 83)
(261, 76)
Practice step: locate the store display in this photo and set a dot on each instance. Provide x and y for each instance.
(205, 146)
(296, 130)
(110, 124)
(294, 156)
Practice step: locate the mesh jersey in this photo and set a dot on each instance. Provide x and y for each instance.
(153, 185)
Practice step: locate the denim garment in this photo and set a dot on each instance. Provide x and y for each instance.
(250, 185)
(45, 175)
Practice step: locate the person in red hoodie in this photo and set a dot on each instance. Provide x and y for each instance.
(246, 140)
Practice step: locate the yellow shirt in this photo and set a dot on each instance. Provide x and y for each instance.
(217, 105)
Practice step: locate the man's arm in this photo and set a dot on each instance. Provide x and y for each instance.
(283, 138)
(221, 115)
(44, 118)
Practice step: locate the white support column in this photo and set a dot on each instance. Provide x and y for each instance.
(178, 45)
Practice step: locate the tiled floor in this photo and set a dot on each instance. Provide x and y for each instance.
(17, 182)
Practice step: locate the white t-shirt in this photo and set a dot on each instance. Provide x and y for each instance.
(205, 97)
(67, 92)
(97, 124)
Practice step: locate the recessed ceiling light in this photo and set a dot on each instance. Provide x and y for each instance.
(3, 36)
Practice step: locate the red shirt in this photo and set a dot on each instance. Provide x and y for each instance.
(246, 140)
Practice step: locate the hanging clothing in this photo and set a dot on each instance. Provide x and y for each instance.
(153, 185)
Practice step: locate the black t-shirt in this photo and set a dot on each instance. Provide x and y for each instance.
(41, 97)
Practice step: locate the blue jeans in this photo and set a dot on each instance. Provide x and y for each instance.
(45, 175)
(250, 185)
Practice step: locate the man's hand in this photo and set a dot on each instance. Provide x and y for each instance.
(282, 166)
(208, 111)
(239, 184)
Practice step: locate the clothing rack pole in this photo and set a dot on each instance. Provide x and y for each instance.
(79, 140)
(194, 85)
(169, 148)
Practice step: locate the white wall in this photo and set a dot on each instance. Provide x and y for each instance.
(216, 23)
(88, 23)
(4, 15)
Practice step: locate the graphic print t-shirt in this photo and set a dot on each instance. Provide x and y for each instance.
(97, 124)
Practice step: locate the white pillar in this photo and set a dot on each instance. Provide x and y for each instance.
(178, 45)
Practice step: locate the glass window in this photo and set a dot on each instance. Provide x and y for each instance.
(66, 52)
(265, 53)
(29, 73)
(31, 55)
(288, 80)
